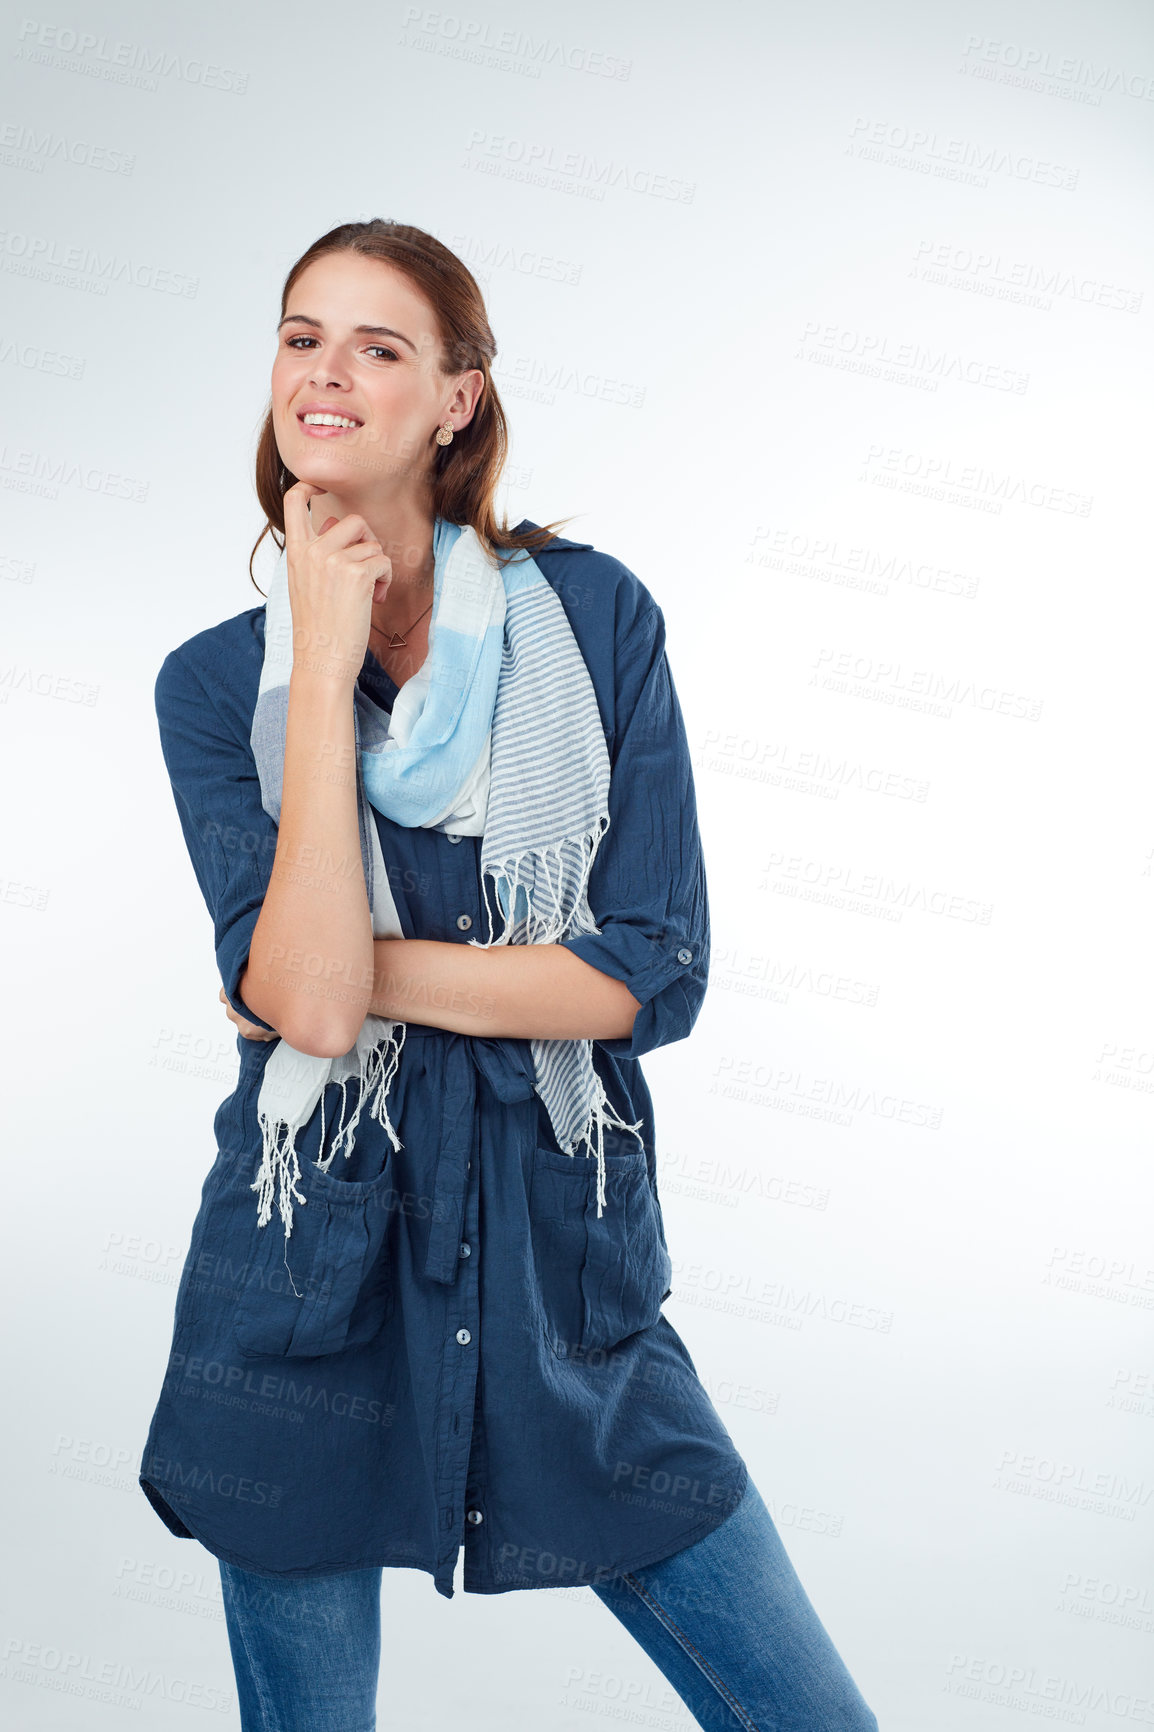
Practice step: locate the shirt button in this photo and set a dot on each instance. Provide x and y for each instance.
(474, 1516)
(464, 921)
(464, 1249)
(456, 839)
(464, 1337)
(684, 955)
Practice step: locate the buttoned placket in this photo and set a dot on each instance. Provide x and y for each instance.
(478, 1558)
(461, 1361)
(454, 1223)
(454, 1238)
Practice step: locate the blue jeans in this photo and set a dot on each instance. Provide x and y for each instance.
(726, 1620)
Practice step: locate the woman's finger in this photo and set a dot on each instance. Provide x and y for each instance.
(344, 532)
(298, 525)
(249, 1030)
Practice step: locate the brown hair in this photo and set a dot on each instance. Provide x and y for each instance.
(465, 473)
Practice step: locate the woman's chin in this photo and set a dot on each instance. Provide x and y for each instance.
(326, 475)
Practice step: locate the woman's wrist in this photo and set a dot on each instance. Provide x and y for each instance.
(324, 668)
(423, 980)
(519, 992)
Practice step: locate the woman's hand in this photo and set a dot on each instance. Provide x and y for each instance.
(250, 1030)
(306, 914)
(334, 577)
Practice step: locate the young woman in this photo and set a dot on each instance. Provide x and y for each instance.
(438, 798)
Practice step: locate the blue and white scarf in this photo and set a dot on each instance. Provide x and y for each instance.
(497, 735)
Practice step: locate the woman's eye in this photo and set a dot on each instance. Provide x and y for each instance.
(293, 342)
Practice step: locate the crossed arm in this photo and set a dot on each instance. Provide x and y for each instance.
(523, 991)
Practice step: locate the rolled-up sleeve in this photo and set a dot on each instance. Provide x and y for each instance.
(231, 839)
(647, 887)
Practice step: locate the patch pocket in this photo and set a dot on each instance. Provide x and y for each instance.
(340, 1289)
(600, 1280)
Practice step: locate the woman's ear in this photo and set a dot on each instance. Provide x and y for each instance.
(468, 395)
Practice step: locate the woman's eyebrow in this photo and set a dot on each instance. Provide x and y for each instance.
(359, 330)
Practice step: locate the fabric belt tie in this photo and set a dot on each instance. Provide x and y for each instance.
(508, 1068)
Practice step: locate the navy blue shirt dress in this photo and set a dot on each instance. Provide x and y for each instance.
(452, 1348)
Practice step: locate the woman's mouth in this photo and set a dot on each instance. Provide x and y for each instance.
(330, 426)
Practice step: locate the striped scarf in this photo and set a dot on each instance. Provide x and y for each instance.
(497, 735)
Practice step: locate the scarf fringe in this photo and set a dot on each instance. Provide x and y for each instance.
(593, 1135)
(534, 927)
(280, 1167)
(380, 1067)
(509, 877)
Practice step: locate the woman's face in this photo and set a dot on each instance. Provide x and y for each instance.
(386, 380)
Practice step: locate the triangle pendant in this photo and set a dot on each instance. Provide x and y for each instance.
(396, 641)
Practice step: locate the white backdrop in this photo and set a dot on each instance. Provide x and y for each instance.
(827, 320)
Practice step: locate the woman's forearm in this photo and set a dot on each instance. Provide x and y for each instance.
(310, 967)
(514, 991)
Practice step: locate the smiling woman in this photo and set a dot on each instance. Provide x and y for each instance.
(437, 795)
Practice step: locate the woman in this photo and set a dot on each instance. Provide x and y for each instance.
(437, 796)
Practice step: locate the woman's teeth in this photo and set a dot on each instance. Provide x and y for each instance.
(328, 421)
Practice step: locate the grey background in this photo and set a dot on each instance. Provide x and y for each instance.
(827, 320)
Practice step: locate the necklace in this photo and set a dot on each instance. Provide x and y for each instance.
(398, 640)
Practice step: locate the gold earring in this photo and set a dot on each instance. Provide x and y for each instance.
(444, 435)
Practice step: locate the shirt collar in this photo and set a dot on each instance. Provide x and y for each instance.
(558, 541)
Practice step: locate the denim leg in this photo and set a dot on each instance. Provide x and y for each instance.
(728, 1622)
(306, 1652)
(695, 1687)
